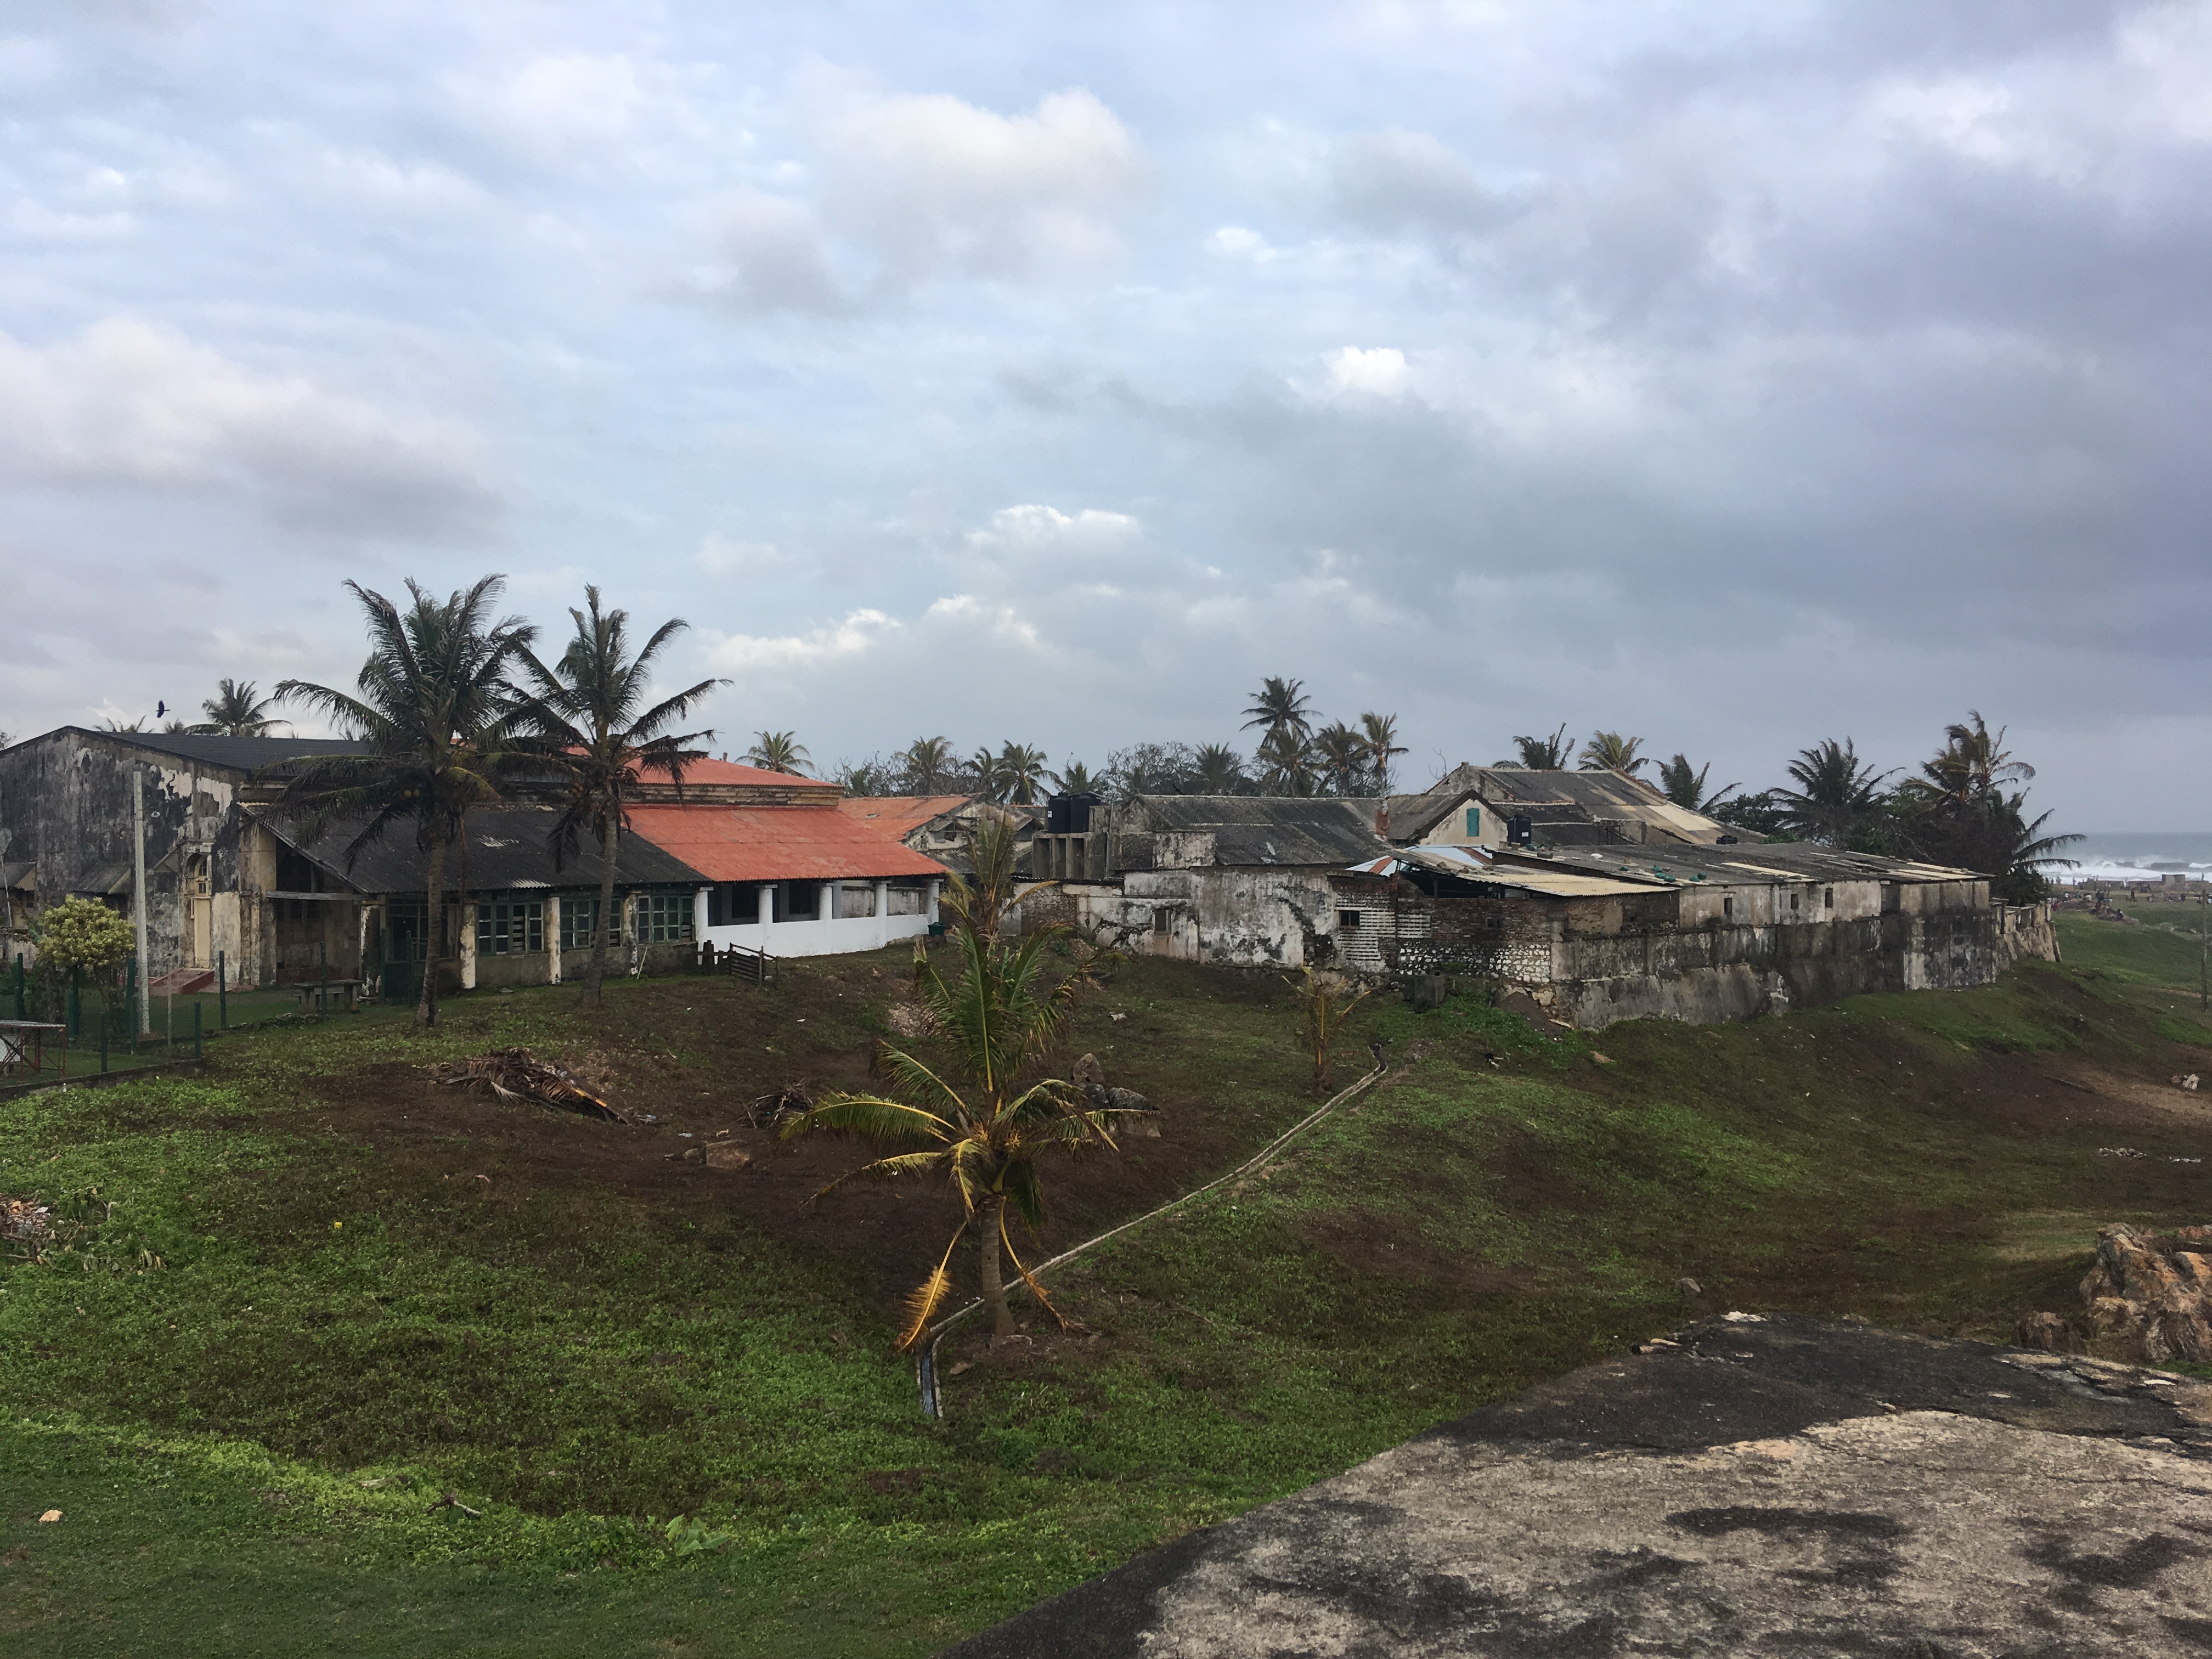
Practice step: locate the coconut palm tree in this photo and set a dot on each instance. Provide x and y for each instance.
(1546, 754)
(1837, 795)
(433, 710)
(1686, 787)
(1381, 733)
(1959, 812)
(1021, 770)
(982, 1119)
(779, 751)
(235, 712)
(1341, 753)
(1288, 763)
(1075, 779)
(866, 777)
(1280, 705)
(1608, 751)
(588, 715)
(925, 766)
(1218, 769)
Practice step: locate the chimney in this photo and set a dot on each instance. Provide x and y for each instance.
(1382, 821)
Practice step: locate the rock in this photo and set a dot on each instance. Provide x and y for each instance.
(1425, 992)
(2188, 1080)
(2047, 1332)
(694, 1154)
(50, 1518)
(723, 1156)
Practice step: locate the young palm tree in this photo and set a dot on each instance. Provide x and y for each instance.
(1610, 751)
(589, 716)
(1218, 769)
(926, 765)
(1279, 706)
(235, 712)
(1973, 764)
(983, 1121)
(1021, 769)
(1342, 756)
(1381, 733)
(779, 751)
(1546, 754)
(1686, 787)
(436, 716)
(1075, 779)
(1837, 794)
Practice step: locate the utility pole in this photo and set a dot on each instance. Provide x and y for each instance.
(2205, 950)
(138, 893)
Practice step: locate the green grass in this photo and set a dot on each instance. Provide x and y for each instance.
(2137, 951)
(295, 1321)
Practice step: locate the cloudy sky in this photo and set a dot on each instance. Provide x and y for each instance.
(1732, 374)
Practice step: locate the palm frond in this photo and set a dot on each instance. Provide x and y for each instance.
(887, 1122)
(1029, 1278)
(924, 1300)
(884, 1169)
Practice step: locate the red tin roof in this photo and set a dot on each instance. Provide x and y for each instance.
(719, 771)
(777, 843)
(899, 815)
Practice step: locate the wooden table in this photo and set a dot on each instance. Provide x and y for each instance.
(16, 1034)
(347, 990)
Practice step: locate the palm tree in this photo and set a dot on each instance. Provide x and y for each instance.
(1381, 733)
(1218, 769)
(1546, 754)
(1280, 705)
(235, 712)
(1959, 812)
(1973, 763)
(116, 723)
(436, 717)
(1608, 751)
(990, 780)
(1342, 756)
(1075, 779)
(1021, 769)
(1837, 795)
(983, 1121)
(1687, 788)
(589, 716)
(867, 777)
(778, 751)
(926, 765)
(1288, 762)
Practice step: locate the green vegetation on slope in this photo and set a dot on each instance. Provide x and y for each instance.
(371, 1293)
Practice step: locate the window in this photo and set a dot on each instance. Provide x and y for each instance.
(1162, 921)
(1827, 898)
(1728, 909)
(664, 918)
(1348, 918)
(1496, 924)
(578, 917)
(1793, 896)
(510, 927)
(1474, 822)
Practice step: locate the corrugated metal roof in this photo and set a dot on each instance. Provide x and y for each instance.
(722, 771)
(1473, 864)
(1602, 794)
(507, 849)
(239, 755)
(778, 843)
(1270, 830)
(1738, 866)
(899, 815)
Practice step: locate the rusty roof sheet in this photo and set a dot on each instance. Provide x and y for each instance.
(1474, 864)
(899, 815)
(778, 843)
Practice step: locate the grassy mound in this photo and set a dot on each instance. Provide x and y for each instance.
(316, 1291)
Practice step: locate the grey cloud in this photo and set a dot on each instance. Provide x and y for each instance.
(1401, 183)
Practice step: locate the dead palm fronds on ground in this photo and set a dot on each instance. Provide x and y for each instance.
(516, 1074)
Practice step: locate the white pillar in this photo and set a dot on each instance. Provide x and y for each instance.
(553, 940)
(826, 908)
(468, 947)
(699, 918)
(932, 901)
(882, 912)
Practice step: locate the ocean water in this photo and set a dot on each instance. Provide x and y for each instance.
(2139, 856)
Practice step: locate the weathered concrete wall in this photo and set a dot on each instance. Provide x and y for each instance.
(1235, 918)
(65, 807)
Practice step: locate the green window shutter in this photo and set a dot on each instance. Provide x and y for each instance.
(1474, 820)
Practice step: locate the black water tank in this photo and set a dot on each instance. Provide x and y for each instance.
(1070, 815)
(1520, 831)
